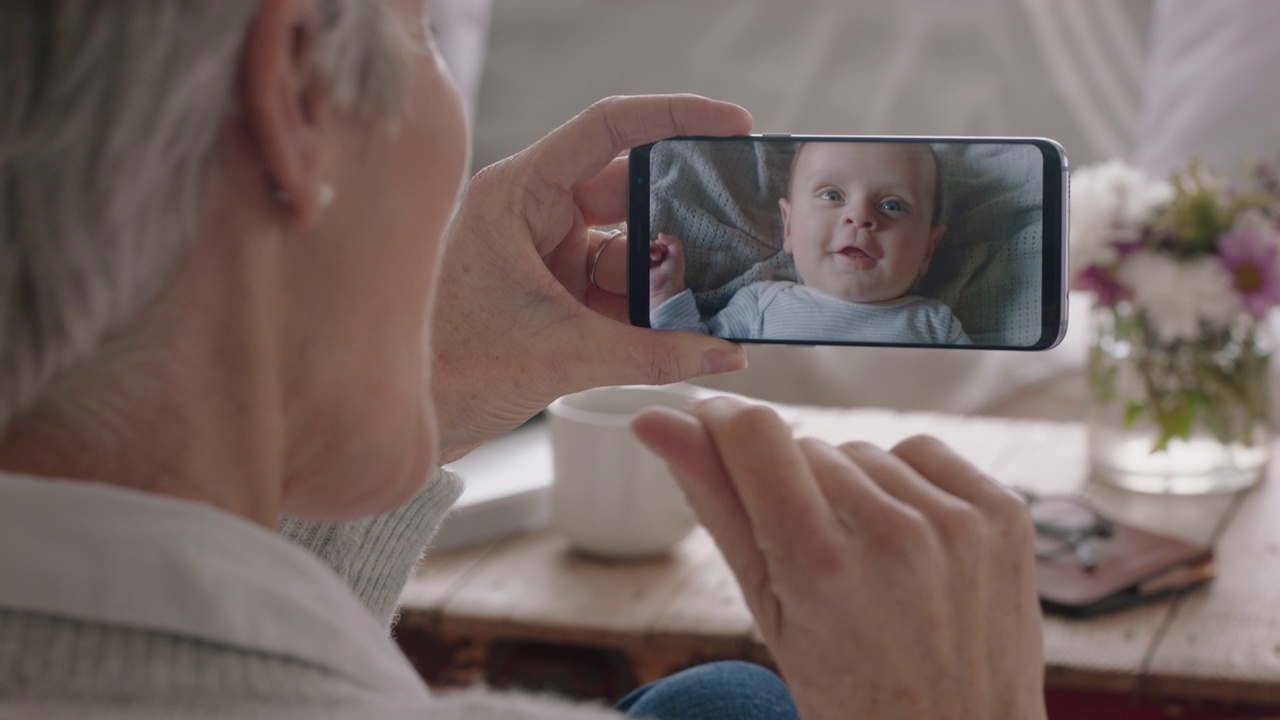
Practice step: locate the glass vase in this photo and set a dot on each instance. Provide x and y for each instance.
(1184, 417)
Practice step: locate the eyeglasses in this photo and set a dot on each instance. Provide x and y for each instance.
(1066, 524)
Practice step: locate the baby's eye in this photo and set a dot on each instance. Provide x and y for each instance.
(831, 195)
(893, 206)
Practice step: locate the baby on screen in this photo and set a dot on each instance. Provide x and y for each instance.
(861, 221)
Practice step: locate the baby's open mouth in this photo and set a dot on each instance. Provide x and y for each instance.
(859, 257)
(854, 258)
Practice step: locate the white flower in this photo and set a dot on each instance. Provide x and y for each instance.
(1256, 221)
(1110, 202)
(1178, 296)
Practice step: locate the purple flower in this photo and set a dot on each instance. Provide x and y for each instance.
(1249, 256)
(1103, 284)
(1267, 177)
(1127, 247)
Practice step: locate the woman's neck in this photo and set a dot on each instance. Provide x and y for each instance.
(186, 402)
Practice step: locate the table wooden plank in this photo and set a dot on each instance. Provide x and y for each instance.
(539, 588)
(1224, 642)
(435, 580)
(982, 442)
(1062, 397)
(1043, 457)
(705, 613)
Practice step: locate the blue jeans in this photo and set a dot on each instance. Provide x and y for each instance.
(729, 690)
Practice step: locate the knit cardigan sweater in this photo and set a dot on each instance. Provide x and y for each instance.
(53, 666)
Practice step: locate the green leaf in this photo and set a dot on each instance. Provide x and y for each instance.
(1132, 412)
(1196, 216)
(1176, 422)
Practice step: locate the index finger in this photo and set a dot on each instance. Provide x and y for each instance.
(580, 148)
(778, 490)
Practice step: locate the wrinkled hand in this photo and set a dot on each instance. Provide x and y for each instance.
(516, 322)
(666, 269)
(891, 584)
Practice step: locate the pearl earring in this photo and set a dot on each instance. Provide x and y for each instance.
(325, 193)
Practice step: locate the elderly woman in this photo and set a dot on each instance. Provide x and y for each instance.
(223, 225)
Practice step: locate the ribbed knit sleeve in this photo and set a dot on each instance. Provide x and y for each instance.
(375, 555)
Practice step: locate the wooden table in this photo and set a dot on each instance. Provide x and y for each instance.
(1219, 644)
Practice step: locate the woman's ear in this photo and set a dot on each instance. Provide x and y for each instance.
(285, 104)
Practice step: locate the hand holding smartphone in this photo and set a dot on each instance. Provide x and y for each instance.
(844, 240)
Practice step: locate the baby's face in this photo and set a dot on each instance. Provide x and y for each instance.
(858, 218)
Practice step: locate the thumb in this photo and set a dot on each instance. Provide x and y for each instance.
(645, 356)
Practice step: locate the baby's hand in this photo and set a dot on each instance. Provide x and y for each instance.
(666, 269)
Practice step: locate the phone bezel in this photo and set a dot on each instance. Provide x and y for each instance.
(1054, 231)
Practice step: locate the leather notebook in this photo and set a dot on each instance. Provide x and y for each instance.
(1133, 566)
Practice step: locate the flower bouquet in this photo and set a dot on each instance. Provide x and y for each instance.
(1184, 272)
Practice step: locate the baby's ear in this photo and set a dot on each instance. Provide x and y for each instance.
(934, 236)
(785, 206)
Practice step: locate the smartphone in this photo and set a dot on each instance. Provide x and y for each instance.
(851, 240)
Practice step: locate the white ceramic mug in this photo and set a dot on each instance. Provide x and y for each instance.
(612, 497)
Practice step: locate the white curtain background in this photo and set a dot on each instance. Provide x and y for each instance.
(1068, 69)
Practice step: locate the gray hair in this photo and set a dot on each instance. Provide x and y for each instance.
(109, 112)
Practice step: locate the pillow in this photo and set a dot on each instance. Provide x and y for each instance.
(988, 267)
(722, 202)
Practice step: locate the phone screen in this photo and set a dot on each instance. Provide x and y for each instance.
(831, 240)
